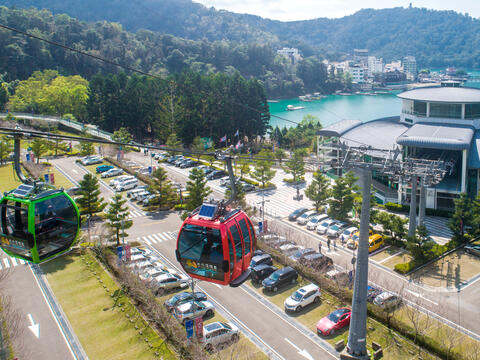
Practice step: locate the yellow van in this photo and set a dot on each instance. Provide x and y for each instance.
(352, 243)
(375, 241)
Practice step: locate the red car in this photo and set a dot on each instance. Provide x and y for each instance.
(334, 321)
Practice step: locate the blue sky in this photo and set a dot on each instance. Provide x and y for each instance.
(287, 10)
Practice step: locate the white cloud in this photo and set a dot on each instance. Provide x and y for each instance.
(288, 10)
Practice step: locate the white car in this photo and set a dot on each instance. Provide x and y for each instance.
(312, 224)
(141, 266)
(387, 300)
(112, 172)
(137, 190)
(142, 196)
(335, 229)
(305, 217)
(219, 333)
(324, 225)
(115, 181)
(302, 297)
(193, 309)
(153, 273)
(347, 233)
(170, 281)
(90, 160)
(288, 249)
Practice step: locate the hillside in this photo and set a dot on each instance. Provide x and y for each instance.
(436, 38)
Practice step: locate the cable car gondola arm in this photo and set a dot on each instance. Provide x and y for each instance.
(16, 153)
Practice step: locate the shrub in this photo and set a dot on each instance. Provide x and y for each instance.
(291, 181)
(405, 268)
(396, 207)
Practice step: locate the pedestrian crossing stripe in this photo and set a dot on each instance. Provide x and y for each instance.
(156, 238)
(163, 237)
(14, 261)
(10, 262)
(7, 264)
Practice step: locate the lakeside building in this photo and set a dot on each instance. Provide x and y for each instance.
(360, 56)
(409, 64)
(357, 71)
(293, 54)
(375, 66)
(438, 122)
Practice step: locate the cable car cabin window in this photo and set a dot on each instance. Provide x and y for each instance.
(231, 253)
(246, 235)
(201, 251)
(55, 225)
(237, 241)
(15, 228)
(252, 233)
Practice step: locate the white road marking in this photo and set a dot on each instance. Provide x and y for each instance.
(146, 240)
(156, 237)
(391, 256)
(22, 261)
(304, 353)
(14, 261)
(149, 237)
(7, 264)
(421, 296)
(163, 236)
(75, 171)
(34, 328)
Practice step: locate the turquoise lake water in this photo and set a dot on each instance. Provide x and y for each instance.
(334, 108)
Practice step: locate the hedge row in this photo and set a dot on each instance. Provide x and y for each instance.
(406, 208)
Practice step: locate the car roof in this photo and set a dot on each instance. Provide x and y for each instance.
(307, 288)
(261, 256)
(285, 269)
(350, 229)
(386, 295)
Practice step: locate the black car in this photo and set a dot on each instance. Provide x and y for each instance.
(216, 174)
(261, 259)
(300, 254)
(261, 272)
(294, 215)
(258, 252)
(317, 261)
(279, 278)
(188, 164)
(182, 298)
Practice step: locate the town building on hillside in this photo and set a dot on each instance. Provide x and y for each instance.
(410, 67)
(360, 56)
(394, 65)
(435, 123)
(290, 53)
(375, 66)
(357, 71)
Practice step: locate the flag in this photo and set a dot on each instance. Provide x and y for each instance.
(237, 133)
(223, 139)
(239, 144)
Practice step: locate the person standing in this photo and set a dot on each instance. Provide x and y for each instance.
(328, 243)
(319, 246)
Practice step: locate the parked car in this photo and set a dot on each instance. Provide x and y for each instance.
(153, 273)
(334, 321)
(352, 243)
(387, 300)
(279, 278)
(314, 221)
(303, 297)
(216, 174)
(226, 181)
(112, 172)
(301, 253)
(102, 168)
(279, 242)
(317, 261)
(335, 230)
(182, 298)
(323, 227)
(91, 160)
(306, 216)
(126, 185)
(372, 293)
(261, 259)
(375, 241)
(219, 333)
(170, 281)
(192, 310)
(472, 249)
(258, 252)
(289, 249)
(261, 272)
(142, 196)
(114, 182)
(188, 164)
(174, 158)
(206, 169)
(137, 190)
(295, 214)
(180, 161)
(150, 199)
(347, 233)
(246, 187)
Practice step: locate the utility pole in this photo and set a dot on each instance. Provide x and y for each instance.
(412, 222)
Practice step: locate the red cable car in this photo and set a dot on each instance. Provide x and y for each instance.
(216, 245)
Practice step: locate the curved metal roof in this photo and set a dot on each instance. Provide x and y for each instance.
(443, 94)
(339, 128)
(433, 136)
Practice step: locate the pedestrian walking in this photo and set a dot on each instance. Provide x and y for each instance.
(320, 247)
(328, 244)
(335, 244)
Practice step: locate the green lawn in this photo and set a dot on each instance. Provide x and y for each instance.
(105, 329)
(8, 178)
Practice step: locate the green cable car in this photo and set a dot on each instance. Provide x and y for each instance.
(37, 222)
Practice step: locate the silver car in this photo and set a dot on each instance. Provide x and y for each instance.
(192, 310)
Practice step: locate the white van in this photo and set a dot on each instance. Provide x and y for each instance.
(126, 185)
(114, 182)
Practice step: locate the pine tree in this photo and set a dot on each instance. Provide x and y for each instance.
(162, 187)
(243, 166)
(262, 171)
(173, 143)
(90, 201)
(341, 201)
(39, 147)
(198, 146)
(117, 215)
(296, 166)
(319, 190)
(86, 148)
(462, 217)
(197, 188)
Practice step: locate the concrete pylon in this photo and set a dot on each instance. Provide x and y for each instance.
(423, 201)
(412, 221)
(357, 337)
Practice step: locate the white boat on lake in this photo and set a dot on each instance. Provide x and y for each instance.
(292, 108)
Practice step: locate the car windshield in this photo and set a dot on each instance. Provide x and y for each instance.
(274, 276)
(226, 326)
(335, 227)
(314, 220)
(334, 316)
(297, 296)
(325, 223)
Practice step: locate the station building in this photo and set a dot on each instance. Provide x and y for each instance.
(440, 122)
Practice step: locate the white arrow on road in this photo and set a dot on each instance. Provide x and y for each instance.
(304, 353)
(35, 328)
